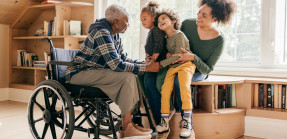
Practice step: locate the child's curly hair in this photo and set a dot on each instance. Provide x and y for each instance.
(152, 7)
(222, 10)
(172, 15)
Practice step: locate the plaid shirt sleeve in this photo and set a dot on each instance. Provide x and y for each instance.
(113, 60)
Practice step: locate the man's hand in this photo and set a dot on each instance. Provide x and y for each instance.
(168, 55)
(153, 66)
(186, 56)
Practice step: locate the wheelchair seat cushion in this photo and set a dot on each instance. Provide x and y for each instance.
(86, 91)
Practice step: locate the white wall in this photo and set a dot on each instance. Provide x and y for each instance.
(4, 55)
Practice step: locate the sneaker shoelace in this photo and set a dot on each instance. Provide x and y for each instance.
(184, 124)
(162, 122)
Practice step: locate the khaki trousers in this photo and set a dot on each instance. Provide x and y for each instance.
(120, 87)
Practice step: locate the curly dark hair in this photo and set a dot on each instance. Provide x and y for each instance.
(152, 7)
(222, 10)
(172, 15)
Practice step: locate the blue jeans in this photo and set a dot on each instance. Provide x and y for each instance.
(154, 96)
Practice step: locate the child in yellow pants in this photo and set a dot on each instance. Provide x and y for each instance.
(168, 21)
(185, 72)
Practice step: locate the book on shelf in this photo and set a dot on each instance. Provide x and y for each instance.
(265, 95)
(283, 101)
(75, 27)
(275, 96)
(195, 95)
(40, 64)
(72, 27)
(46, 27)
(26, 58)
(260, 96)
(50, 27)
(233, 96)
(279, 96)
(272, 95)
(47, 57)
(226, 96)
(66, 27)
(269, 98)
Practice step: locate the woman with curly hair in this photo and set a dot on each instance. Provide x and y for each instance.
(206, 45)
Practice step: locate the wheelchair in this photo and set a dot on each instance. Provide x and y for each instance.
(67, 107)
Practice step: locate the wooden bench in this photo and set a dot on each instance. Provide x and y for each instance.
(229, 123)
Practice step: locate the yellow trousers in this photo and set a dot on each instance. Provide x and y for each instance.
(185, 72)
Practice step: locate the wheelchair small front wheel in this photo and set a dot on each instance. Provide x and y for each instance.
(50, 111)
(105, 123)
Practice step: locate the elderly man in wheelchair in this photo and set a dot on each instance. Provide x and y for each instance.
(100, 73)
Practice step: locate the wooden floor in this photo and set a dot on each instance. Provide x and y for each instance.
(14, 122)
(14, 125)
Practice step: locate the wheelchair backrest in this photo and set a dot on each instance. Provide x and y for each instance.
(58, 54)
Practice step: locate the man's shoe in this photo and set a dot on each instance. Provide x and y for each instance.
(186, 129)
(147, 130)
(163, 126)
(132, 133)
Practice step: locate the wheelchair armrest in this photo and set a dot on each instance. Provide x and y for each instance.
(52, 62)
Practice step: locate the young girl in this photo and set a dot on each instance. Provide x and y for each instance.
(169, 22)
(155, 49)
(155, 42)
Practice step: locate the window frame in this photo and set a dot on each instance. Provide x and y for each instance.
(267, 43)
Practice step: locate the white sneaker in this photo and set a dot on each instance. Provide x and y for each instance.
(163, 126)
(186, 129)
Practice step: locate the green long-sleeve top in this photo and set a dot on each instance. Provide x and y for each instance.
(206, 52)
(173, 45)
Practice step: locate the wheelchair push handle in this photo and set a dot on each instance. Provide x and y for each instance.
(49, 40)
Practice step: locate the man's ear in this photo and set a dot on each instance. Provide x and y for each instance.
(116, 22)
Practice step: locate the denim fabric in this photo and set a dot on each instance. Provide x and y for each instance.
(153, 95)
(197, 76)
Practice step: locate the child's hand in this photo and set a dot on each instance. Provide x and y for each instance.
(168, 55)
(155, 56)
(147, 58)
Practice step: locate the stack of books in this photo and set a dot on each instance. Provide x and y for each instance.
(40, 64)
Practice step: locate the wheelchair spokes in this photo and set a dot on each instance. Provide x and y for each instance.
(104, 120)
(49, 113)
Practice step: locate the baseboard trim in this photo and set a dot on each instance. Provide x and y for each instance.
(4, 94)
(19, 95)
(265, 127)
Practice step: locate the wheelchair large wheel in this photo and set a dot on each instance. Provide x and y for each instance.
(105, 122)
(56, 114)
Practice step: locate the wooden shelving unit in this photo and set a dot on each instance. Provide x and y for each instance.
(30, 19)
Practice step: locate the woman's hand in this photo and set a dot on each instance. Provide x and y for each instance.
(186, 56)
(153, 66)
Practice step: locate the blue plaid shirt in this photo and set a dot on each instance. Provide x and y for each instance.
(103, 50)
